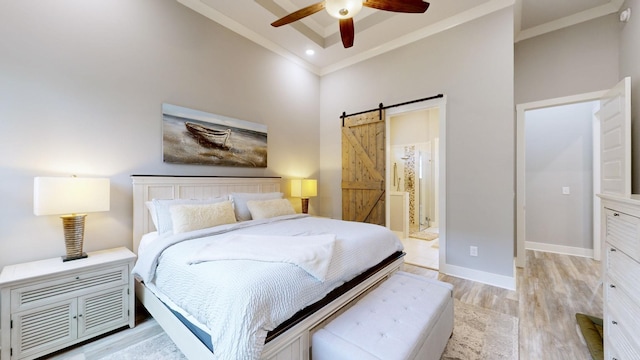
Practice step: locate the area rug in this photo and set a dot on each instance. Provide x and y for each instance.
(478, 334)
(481, 334)
(159, 347)
(424, 235)
(591, 329)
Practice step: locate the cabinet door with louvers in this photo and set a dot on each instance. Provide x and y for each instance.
(42, 328)
(52, 314)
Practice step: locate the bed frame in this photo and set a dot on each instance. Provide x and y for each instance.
(289, 341)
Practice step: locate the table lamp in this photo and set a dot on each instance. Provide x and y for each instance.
(72, 198)
(304, 188)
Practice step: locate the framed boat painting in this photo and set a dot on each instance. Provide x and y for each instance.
(196, 137)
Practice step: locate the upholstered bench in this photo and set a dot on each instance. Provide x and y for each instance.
(406, 317)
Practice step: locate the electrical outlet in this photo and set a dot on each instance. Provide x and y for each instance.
(566, 190)
(473, 250)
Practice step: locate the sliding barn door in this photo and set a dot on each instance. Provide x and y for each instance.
(363, 168)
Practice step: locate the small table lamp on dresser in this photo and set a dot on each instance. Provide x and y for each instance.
(304, 188)
(70, 197)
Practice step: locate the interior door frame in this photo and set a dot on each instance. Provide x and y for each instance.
(441, 104)
(521, 109)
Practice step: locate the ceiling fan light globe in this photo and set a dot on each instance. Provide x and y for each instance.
(343, 9)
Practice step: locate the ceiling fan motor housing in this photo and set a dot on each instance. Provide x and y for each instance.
(343, 9)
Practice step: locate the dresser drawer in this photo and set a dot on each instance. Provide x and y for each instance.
(617, 345)
(623, 232)
(622, 315)
(623, 273)
(57, 289)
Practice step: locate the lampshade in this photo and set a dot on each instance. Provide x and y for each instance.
(304, 188)
(343, 9)
(69, 195)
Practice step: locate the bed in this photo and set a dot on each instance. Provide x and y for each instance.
(325, 285)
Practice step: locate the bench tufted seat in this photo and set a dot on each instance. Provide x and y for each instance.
(406, 317)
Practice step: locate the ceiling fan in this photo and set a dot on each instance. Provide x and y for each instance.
(345, 10)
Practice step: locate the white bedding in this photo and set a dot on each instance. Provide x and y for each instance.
(239, 301)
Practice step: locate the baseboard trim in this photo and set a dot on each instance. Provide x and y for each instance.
(559, 249)
(502, 281)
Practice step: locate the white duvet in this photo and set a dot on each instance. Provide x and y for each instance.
(240, 300)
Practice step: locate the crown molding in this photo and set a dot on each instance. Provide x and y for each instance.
(577, 18)
(199, 7)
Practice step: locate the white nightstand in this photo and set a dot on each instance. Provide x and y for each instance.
(48, 305)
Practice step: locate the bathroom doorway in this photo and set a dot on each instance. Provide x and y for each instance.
(414, 182)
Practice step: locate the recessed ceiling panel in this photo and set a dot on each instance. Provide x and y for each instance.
(374, 29)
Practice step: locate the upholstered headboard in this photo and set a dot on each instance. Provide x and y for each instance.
(146, 188)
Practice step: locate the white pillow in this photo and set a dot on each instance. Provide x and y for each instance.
(163, 216)
(152, 212)
(193, 217)
(269, 208)
(240, 202)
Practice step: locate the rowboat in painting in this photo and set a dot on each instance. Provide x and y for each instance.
(209, 137)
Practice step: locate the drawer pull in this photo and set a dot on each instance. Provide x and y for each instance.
(616, 214)
(77, 277)
(612, 250)
(612, 286)
(614, 322)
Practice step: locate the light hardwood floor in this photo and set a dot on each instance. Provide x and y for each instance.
(550, 291)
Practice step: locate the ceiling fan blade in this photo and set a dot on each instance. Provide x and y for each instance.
(410, 6)
(347, 32)
(297, 15)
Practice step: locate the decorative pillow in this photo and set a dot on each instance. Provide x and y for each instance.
(269, 208)
(193, 217)
(240, 202)
(163, 216)
(152, 213)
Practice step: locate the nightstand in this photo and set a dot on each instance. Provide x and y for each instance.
(48, 305)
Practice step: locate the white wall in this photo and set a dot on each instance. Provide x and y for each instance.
(630, 66)
(559, 153)
(472, 64)
(578, 59)
(81, 93)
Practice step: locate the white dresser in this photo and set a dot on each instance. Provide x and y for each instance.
(621, 275)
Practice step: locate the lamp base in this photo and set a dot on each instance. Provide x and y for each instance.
(73, 226)
(69, 258)
(305, 205)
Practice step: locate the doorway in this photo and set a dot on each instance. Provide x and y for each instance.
(415, 182)
(561, 193)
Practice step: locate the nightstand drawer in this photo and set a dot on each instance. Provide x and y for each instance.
(45, 292)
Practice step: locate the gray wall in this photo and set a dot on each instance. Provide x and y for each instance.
(81, 93)
(575, 60)
(630, 66)
(559, 153)
(473, 65)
